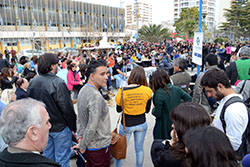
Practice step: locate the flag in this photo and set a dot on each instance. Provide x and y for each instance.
(84, 24)
(105, 26)
(19, 22)
(120, 27)
(95, 26)
(2, 23)
(50, 23)
(112, 27)
(34, 22)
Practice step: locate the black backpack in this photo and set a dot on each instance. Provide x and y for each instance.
(245, 145)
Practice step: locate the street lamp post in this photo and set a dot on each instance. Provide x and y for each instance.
(200, 26)
(204, 17)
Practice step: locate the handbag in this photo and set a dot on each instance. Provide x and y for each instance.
(118, 145)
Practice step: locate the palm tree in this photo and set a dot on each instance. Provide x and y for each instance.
(153, 33)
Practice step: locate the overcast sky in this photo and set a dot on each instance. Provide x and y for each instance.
(161, 8)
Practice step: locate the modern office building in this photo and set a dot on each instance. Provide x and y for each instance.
(208, 10)
(57, 23)
(137, 14)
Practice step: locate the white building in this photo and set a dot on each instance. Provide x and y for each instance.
(221, 5)
(208, 10)
(143, 11)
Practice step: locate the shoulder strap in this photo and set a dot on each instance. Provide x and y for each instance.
(232, 100)
(241, 89)
(123, 115)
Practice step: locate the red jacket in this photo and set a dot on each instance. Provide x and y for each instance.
(71, 80)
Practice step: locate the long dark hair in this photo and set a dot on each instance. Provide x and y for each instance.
(184, 117)
(138, 76)
(160, 79)
(207, 146)
(5, 73)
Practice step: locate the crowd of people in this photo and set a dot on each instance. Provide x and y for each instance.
(199, 121)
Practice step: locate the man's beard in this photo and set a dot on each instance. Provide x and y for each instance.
(219, 95)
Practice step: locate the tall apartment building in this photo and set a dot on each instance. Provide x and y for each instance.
(57, 22)
(143, 11)
(208, 10)
(222, 4)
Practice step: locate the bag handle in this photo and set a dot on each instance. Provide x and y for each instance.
(123, 115)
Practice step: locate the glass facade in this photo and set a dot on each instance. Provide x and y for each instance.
(61, 13)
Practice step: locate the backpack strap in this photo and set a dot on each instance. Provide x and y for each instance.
(230, 101)
(241, 89)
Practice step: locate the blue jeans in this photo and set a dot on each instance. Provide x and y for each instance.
(109, 83)
(59, 147)
(110, 70)
(118, 79)
(139, 136)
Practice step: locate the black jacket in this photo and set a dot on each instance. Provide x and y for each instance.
(4, 63)
(53, 91)
(25, 160)
(160, 155)
(7, 84)
(20, 93)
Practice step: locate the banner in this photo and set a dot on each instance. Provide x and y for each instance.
(197, 48)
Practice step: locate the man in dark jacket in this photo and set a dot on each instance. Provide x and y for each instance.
(24, 126)
(52, 90)
(22, 85)
(238, 70)
(7, 54)
(181, 77)
(3, 62)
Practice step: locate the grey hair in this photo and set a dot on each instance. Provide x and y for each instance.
(17, 117)
(181, 63)
(245, 51)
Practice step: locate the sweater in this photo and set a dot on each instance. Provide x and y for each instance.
(137, 102)
(93, 121)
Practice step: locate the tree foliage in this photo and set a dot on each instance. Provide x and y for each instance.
(153, 33)
(188, 22)
(238, 17)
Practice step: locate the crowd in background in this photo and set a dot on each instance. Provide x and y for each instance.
(182, 110)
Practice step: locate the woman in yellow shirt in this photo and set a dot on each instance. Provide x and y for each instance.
(136, 101)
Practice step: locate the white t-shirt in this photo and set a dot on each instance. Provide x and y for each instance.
(236, 119)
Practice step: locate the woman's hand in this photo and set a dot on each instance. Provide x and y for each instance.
(174, 137)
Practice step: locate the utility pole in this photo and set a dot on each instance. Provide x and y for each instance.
(200, 26)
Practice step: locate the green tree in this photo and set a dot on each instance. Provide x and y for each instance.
(237, 17)
(188, 22)
(153, 33)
